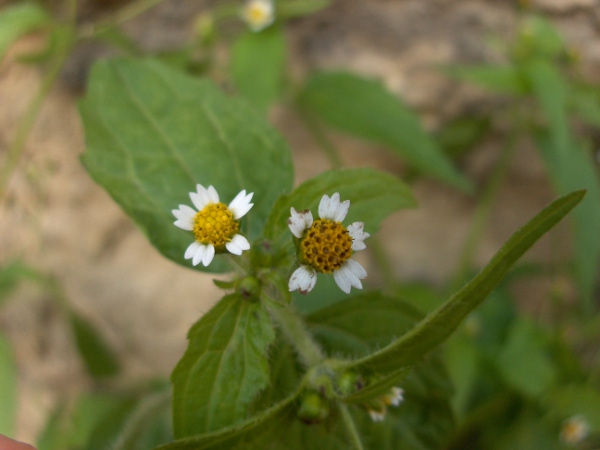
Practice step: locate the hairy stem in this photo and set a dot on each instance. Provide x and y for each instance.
(295, 331)
(355, 441)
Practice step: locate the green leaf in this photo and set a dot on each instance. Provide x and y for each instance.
(70, 425)
(152, 133)
(575, 400)
(550, 90)
(364, 108)
(364, 323)
(525, 361)
(373, 196)
(18, 20)
(100, 361)
(257, 64)
(11, 274)
(570, 167)
(8, 388)
(501, 79)
(134, 424)
(224, 367)
(439, 324)
(262, 431)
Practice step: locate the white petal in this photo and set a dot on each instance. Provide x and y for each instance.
(358, 235)
(199, 254)
(299, 221)
(209, 254)
(377, 416)
(334, 203)
(349, 275)
(303, 279)
(185, 217)
(199, 200)
(396, 396)
(341, 210)
(191, 250)
(237, 244)
(187, 225)
(202, 194)
(324, 207)
(212, 195)
(240, 205)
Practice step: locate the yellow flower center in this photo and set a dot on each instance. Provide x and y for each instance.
(215, 225)
(326, 245)
(256, 14)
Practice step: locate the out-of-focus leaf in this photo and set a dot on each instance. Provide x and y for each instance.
(8, 388)
(575, 400)
(257, 65)
(438, 325)
(538, 39)
(100, 361)
(224, 367)
(525, 362)
(364, 108)
(373, 196)
(501, 79)
(134, 424)
(18, 20)
(11, 274)
(70, 425)
(296, 8)
(570, 167)
(152, 133)
(461, 135)
(462, 360)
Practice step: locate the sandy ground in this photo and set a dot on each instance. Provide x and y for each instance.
(56, 219)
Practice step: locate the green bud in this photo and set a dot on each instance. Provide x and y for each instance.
(349, 382)
(313, 408)
(249, 287)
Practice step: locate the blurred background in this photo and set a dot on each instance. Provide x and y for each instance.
(77, 278)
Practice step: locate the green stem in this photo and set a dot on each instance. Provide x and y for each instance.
(295, 331)
(321, 138)
(16, 147)
(350, 427)
(484, 208)
(120, 17)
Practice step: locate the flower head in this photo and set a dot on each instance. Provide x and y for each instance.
(574, 430)
(258, 14)
(215, 225)
(326, 246)
(377, 408)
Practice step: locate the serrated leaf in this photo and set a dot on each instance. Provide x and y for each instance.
(257, 65)
(8, 388)
(224, 367)
(18, 20)
(152, 133)
(99, 359)
(373, 196)
(439, 324)
(501, 79)
(364, 108)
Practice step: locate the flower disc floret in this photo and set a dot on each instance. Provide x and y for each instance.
(326, 246)
(215, 225)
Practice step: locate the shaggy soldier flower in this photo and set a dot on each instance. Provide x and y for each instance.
(325, 246)
(215, 225)
(258, 14)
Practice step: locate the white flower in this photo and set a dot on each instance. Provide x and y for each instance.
(214, 224)
(394, 397)
(377, 416)
(258, 14)
(326, 246)
(574, 430)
